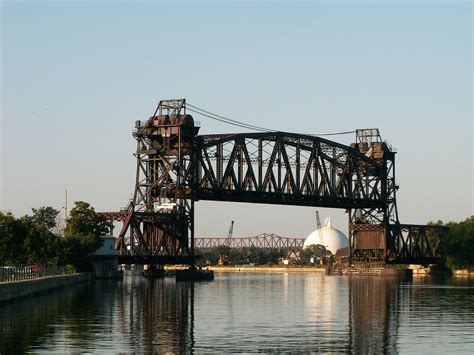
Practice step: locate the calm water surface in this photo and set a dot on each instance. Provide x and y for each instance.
(246, 312)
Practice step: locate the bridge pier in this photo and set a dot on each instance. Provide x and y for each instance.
(105, 260)
(153, 271)
(106, 268)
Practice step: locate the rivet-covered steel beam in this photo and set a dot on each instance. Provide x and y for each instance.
(288, 169)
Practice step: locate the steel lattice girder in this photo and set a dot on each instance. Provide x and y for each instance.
(264, 241)
(288, 169)
(411, 243)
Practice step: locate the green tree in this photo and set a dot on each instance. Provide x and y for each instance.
(273, 256)
(45, 215)
(84, 221)
(40, 244)
(312, 250)
(23, 241)
(82, 236)
(254, 255)
(457, 244)
(12, 238)
(238, 256)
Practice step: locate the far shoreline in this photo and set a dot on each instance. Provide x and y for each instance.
(266, 269)
(417, 271)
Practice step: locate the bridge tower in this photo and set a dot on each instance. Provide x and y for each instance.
(161, 213)
(370, 228)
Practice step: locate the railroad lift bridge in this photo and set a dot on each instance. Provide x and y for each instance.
(177, 167)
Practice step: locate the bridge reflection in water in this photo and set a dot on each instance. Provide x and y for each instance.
(156, 316)
(243, 312)
(374, 309)
(370, 305)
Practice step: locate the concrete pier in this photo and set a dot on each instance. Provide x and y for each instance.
(153, 271)
(106, 268)
(385, 272)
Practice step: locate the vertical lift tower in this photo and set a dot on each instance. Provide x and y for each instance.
(160, 217)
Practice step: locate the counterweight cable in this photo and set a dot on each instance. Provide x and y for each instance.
(226, 122)
(215, 116)
(230, 121)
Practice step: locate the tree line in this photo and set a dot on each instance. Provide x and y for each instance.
(34, 240)
(457, 244)
(239, 256)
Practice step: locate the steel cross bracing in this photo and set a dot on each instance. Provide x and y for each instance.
(176, 167)
(262, 241)
(159, 224)
(285, 168)
(410, 243)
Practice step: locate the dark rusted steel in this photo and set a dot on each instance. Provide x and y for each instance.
(413, 244)
(288, 169)
(158, 226)
(176, 168)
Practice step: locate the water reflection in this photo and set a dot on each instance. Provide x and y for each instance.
(155, 315)
(325, 300)
(245, 312)
(374, 309)
(134, 315)
(28, 323)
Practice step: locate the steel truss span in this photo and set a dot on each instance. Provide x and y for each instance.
(176, 167)
(262, 241)
(410, 243)
(288, 169)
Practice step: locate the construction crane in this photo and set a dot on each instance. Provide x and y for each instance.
(229, 235)
(221, 260)
(320, 232)
(319, 228)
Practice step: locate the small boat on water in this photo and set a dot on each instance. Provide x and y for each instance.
(194, 274)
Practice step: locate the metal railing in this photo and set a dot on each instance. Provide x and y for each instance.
(12, 274)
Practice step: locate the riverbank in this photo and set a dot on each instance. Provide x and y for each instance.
(266, 269)
(463, 273)
(309, 269)
(12, 291)
(417, 270)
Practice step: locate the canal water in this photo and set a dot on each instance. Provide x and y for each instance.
(246, 312)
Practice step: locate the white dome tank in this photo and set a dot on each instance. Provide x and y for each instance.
(332, 238)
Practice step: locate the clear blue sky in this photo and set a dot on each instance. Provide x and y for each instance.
(75, 77)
